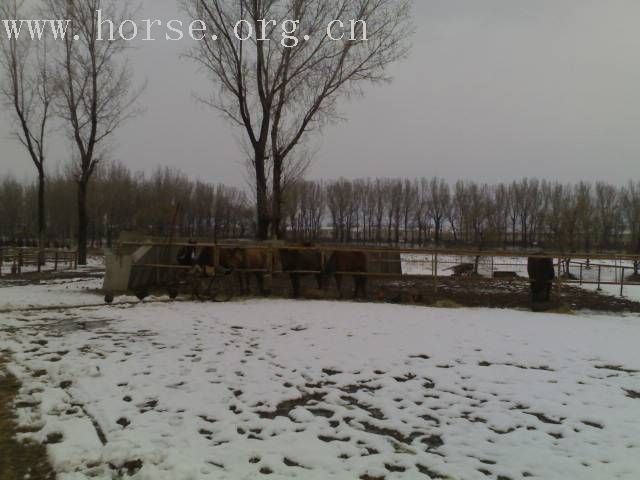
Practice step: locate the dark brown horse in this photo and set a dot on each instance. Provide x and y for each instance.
(249, 262)
(348, 262)
(541, 274)
(297, 263)
(243, 261)
(192, 255)
(187, 255)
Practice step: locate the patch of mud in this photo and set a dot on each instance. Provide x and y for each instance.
(18, 460)
(470, 292)
(283, 409)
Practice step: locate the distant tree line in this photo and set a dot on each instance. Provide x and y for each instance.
(429, 211)
(422, 212)
(164, 203)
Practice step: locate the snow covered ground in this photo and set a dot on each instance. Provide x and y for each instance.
(49, 266)
(51, 293)
(79, 287)
(632, 292)
(323, 390)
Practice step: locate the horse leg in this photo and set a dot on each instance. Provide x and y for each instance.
(237, 279)
(260, 282)
(362, 286)
(295, 284)
(246, 283)
(538, 291)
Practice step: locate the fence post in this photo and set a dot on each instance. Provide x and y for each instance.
(599, 278)
(622, 283)
(581, 274)
(216, 259)
(435, 272)
(1, 260)
(55, 262)
(20, 262)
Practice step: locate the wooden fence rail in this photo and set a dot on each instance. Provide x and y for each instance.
(14, 260)
(328, 247)
(432, 264)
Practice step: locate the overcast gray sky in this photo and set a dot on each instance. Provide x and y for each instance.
(494, 90)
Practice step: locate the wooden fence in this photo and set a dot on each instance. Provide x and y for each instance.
(435, 264)
(16, 261)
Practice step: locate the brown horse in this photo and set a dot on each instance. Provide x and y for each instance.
(296, 261)
(347, 262)
(248, 262)
(192, 255)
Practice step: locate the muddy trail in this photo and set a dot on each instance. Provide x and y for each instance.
(481, 292)
(18, 460)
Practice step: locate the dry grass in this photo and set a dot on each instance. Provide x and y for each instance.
(562, 309)
(446, 304)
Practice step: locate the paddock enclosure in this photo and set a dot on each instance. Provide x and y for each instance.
(19, 260)
(153, 264)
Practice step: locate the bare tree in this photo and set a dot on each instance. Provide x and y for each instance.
(305, 204)
(557, 200)
(12, 215)
(631, 212)
(584, 208)
(94, 79)
(421, 209)
(409, 201)
(570, 218)
(439, 205)
(501, 213)
(606, 203)
(458, 214)
(29, 93)
(278, 90)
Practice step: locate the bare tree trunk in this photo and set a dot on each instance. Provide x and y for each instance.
(25, 78)
(42, 219)
(83, 222)
(276, 201)
(262, 207)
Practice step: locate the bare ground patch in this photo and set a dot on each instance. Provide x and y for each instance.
(462, 292)
(18, 460)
